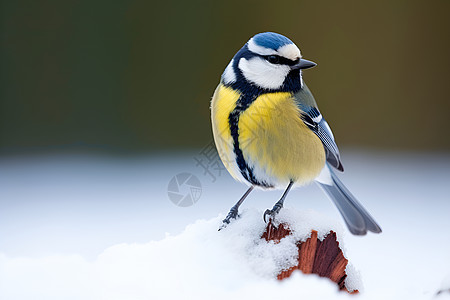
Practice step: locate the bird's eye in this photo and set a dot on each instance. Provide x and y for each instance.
(273, 59)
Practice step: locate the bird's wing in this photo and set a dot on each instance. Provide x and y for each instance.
(313, 119)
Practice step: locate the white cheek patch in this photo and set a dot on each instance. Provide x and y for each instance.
(253, 47)
(262, 73)
(228, 75)
(290, 51)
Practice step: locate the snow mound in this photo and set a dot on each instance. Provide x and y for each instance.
(199, 263)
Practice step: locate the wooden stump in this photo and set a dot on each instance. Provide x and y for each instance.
(323, 258)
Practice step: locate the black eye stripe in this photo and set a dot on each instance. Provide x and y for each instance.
(273, 59)
(280, 60)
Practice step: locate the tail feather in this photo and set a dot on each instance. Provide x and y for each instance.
(358, 220)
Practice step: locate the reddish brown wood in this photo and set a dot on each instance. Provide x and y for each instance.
(324, 258)
(275, 234)
(307, 253)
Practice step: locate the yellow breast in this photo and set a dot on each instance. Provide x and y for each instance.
(222, 104)
(274, 141)
(277, 142)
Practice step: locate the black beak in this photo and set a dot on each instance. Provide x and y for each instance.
(304, 64)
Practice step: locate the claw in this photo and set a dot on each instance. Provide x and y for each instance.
(234, 210)
(270, 219)
(233, 214)
(224, 225)
(268, 212)
(272, 212)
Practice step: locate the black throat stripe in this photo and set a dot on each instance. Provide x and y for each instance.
(249, 92)
(233, 119)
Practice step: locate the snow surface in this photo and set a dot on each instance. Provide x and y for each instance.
(58, 215)
(199, 263)
(444, 291)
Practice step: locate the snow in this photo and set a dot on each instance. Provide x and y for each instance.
(104, 228)
(444, 291)
(199, 263)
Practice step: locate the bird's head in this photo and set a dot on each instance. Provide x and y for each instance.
(268, 61)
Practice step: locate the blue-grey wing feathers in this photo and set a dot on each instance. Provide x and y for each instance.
(312, 117)
(358, 220)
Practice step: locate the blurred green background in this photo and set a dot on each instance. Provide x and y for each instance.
(137, 76)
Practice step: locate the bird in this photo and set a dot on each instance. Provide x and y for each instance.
(270, 134)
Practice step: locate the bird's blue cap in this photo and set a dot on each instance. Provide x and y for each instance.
(271, 40)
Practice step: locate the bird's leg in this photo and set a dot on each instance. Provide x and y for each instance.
(276, 208)
(234, 210)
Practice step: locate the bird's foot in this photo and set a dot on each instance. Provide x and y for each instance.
(233, 214)
(270, 214)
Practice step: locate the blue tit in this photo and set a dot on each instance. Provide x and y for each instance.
(269, 132)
